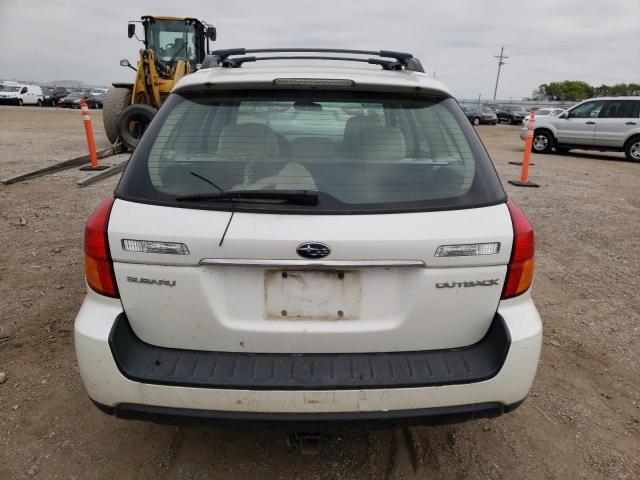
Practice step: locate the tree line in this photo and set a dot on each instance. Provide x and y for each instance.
(576, 90)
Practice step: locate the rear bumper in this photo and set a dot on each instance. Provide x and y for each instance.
(149, 364)
(126, 397)
(311, 421)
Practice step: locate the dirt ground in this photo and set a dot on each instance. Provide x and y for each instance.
(581, 420)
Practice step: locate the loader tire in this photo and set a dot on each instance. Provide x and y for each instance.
(132, 122)
(115, 100)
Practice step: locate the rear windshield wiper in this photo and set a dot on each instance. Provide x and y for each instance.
(302, 197)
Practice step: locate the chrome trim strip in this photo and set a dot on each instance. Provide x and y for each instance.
(246, 262)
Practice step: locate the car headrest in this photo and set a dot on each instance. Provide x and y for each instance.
(248, 139)
(354, 127)
(383, 143)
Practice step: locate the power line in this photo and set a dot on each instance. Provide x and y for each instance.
(500, 58)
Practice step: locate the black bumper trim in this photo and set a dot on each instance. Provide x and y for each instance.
(310, 421)
(145, 363)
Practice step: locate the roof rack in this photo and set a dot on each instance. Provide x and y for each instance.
(401, 60)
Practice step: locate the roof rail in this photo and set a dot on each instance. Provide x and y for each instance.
(401, 60)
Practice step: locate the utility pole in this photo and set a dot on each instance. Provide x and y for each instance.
(500, 58)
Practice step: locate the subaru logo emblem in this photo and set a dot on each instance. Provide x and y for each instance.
(313, 250)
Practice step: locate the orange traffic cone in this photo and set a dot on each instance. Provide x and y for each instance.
(524, 174)
(88, 129)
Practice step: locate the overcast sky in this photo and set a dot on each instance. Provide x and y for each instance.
(596, 41)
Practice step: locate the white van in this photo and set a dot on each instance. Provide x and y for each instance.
(21, 95)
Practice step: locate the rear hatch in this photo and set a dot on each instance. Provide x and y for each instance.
(396, 177)
(215, 299)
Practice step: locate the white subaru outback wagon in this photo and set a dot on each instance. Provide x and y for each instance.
(309, 244)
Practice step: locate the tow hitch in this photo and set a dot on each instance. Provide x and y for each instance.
(307, 443)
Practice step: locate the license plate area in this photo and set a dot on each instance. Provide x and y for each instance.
(316, 295)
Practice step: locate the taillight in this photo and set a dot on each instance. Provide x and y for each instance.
(520, 268)
(98, 267)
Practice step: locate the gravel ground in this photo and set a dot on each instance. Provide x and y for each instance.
(581, 420)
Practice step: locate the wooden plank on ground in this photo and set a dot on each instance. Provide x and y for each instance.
(102, 174)
(63, 165)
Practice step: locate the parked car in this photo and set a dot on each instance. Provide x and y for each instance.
(480, 115)
(491, 106)
(48, 97)
(99, 97)
(73, 100)
(22, 95)
(513, 114)
(604, 124)
(98, 91)
(359, 261)
(58, 93)
(543, 112)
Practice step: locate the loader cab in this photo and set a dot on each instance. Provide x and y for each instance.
(174, 47)
(173, 39)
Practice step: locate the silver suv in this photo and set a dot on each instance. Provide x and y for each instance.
(604, 124)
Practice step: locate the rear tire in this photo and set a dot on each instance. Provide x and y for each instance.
(39, 102)
(114, 102)
(632, 149)
(542, 142)
(476, 121)
(132, 122)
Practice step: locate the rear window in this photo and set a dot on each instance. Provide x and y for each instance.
(362, 153)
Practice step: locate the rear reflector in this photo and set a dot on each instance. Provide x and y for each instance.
(468, 250)
(521, 265)
(313, 82)
(149, 246)
(98, 267)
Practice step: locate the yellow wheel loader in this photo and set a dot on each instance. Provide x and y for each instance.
(173, 47)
